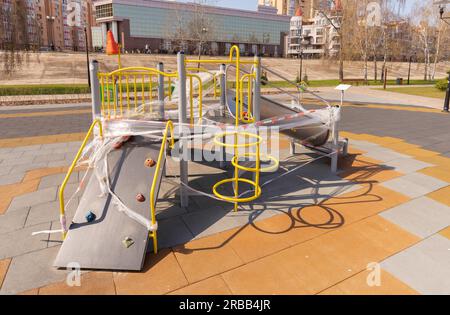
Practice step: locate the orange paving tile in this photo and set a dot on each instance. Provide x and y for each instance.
(441, 195)
(206, 257)
(438, 160)
(210, 286)
(437, 172)
(445, 232)
(52, 113)
(400, 146)
(161, 274)
(362, 168)
(42, 172)
(358, 285)
(92, 283)
(30, 292)
(315, 265)
(250, 243)
(4, 265)
(19, 142)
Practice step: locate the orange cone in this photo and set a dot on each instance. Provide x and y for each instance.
(112, 48)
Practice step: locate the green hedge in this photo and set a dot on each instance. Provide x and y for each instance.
(44, 89)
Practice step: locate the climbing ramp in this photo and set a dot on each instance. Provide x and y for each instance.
(114, 240)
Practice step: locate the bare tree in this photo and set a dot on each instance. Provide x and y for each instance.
(201, 27)
(19, 33)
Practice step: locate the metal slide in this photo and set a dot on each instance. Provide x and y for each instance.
(100, 244)
(313, 132)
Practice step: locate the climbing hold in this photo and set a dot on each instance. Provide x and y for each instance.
(128, 242)
(140, 198)
(117, 145)
(150, 163)
(90, 216)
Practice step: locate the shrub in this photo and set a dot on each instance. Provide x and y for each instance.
(442, 85)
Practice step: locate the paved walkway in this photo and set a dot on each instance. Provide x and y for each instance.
(389, 207)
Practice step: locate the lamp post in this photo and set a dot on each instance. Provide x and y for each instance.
(51, 19)
(301, 64)
(87, 56)
(204, 31)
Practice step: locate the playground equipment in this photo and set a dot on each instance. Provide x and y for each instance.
(139, 115)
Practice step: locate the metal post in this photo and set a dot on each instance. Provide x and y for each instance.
(223, 105)
(95, 90)
(409, 69)
(87, 55)
(223, 89)
(182, 120)
(447, 96)
(335, 146)
(161, 95)
(257, 90)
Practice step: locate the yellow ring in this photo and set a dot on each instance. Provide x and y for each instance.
(234, 199)
(218, 141)
(270, 168)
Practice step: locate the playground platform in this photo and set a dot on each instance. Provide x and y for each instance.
(313, 233)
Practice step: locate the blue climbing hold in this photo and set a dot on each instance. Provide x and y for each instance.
(90, 216)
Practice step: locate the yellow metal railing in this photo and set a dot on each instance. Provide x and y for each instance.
(70, 171)
(214, 75)
(128, 88)
(153, 190)
(246, 117)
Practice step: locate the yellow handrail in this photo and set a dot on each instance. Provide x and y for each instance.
(249, 118)
(191, 96)
(169, 127)
(70, 171)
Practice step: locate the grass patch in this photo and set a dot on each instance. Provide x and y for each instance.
(419, 91)
(55, 89)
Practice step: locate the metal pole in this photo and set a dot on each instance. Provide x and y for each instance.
(87, 56)
(447, 96)
(95, 90)
(409, 70)
(257, 90)
(223, 89)
(223, 105)
(161, 95)
(182, 120)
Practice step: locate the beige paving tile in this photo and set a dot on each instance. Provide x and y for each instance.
(4, 264)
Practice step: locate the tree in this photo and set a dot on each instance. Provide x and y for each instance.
(19, 33)
(200, 26)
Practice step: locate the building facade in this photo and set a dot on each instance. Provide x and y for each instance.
(62, 23)
(164, 26)
(315, 37)
(289, 7)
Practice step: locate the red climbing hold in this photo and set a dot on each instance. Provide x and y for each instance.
(140, 198)
(150, 163)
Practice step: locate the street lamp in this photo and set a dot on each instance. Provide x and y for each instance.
(51, 19)
(87, 56)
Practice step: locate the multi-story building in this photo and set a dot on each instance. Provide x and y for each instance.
(26, 35)
(167, 26)
(62, 23)
(315, 37)
(288, 7)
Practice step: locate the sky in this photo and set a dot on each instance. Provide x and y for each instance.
(251, 4)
